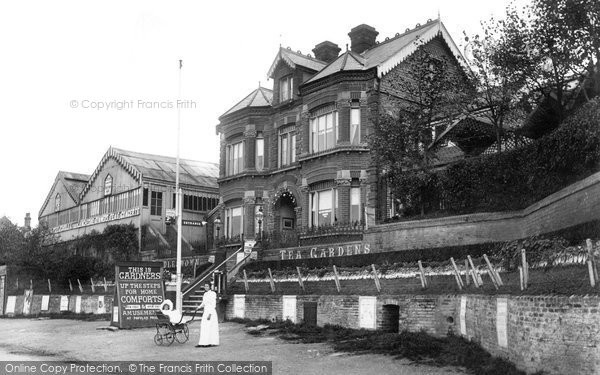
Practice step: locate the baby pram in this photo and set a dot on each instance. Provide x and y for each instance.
(167, 332)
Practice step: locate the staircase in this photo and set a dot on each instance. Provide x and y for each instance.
(192, 294)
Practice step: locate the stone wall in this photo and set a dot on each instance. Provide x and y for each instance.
(576, 204)
(558, 335)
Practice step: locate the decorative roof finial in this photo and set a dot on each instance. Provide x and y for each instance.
(259, 84)
(346, 47)
(439, 17)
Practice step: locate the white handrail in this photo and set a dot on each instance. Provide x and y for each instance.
(193, 285)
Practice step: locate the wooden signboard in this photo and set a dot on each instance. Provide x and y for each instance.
(139, 293)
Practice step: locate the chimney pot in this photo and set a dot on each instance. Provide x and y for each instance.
(326, 51)
(362, 38)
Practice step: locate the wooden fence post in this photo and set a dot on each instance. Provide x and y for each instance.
(376, 278)
(467, 272)
(521, 277)
(474, 274)
(80, 287)
(70, 286)
(525, 268)
(590, 249)
(591, 272)
(271, 281)
(457, 274)
(336, 278)
(245, 281)
(493, 272)
(49, 287)
(422, 272)
(300, 278)
(93, 287)
(105, 287)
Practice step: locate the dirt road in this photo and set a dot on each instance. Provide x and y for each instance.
(77, 340)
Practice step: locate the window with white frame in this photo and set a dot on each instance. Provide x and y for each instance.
(156, 203)
(287, 146)
(57, 203)
(354, 126)
(234, 221)
(323, 207)
(260, 154)
(108, 181)
(286, 88)
(235, 158)
(323, 130)
(354, 204)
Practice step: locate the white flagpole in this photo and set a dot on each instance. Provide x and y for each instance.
(179, 297)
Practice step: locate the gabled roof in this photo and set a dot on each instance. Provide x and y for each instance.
(295, 58)
(73, 182)
(159, 168)
(387, 55)
(261, 97)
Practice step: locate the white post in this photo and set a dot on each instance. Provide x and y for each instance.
(178, 297)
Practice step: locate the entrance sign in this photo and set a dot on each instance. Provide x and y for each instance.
(139, 293)
(64, 303)
(289, 308)
(239, 305)
(101, 305)
(11, 302)
(463, 315)
(2, 287)
(27, 301)
(45, 302)
(501, 321)
(366, 311)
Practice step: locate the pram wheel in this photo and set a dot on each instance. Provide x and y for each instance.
(158, 339)
(182, 333)
(169, 337)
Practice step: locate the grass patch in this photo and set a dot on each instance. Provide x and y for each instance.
(418, 347)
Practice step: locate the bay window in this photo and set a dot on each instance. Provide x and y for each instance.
(354, 126)
(233, 221)
(260, 154)
(324, 131)
(235, 158)
(323, 207)
(354, 204)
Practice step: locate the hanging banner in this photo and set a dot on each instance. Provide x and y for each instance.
(138, 294)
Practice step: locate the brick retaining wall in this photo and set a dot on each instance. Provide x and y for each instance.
(576, 204)
(556, 334)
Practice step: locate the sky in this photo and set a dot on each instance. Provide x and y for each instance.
(77, 77)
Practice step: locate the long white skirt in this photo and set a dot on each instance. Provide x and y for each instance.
(209, 328)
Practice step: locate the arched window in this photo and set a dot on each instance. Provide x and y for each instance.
(57, 202)
(108, 185)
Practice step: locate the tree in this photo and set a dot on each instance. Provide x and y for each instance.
(561, 43)
(500, 67)
(433, 90)
(11, 240)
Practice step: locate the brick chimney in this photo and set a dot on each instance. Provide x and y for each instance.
(326, 51)
(362, 38)
(27, 221)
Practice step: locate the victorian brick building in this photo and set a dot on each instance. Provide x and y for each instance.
(298, 153)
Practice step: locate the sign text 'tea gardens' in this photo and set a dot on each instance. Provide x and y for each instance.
(327, 251)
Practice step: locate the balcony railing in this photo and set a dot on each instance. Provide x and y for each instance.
(308, 236)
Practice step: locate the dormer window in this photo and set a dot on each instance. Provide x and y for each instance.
(108, 185)
(57, 202)
(286, 88)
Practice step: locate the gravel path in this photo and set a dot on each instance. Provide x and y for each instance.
(60, 339)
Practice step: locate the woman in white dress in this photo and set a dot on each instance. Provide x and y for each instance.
(209, 325)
